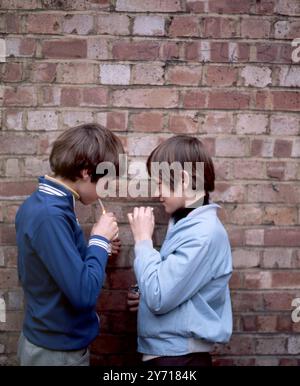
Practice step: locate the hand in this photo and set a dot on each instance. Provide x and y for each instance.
(106, 227)
(133, 300)
(115, 246)
(142, 223)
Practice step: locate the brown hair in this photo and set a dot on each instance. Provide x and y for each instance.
(84, 147)
(183, 148)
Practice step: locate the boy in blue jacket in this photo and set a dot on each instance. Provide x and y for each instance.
(60, 274)
(184, 305)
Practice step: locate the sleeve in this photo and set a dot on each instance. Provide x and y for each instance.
(79, 279)
(165, 284)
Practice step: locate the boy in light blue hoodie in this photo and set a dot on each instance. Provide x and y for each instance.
(184, 306)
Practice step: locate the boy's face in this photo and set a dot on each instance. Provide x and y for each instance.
(86, 189)
(170, 200)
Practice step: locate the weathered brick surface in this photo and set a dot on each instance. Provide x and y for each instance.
(147, 69)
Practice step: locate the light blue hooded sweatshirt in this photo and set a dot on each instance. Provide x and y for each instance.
(185, 301)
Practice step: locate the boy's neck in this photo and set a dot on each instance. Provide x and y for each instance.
(70, 185)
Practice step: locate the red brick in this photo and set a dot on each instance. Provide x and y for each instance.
(224, 6)
(184, 26)
(265, 7)
(195, 6)
(64, 49)
(184, 123)
(273, 192)
(13, 72)
(200, 51)
(282, 148)
(286, 100)
(219, 52)
(219, 27)
(228, 100)
(255, 28)
(43, 72)
(169, 50)
(280, 216)
(117, 120)
(184, 75)
(70, 97)
(271, 345)
(16, 47)
(141, 50)
(94, 96)
(44, 24)
(194, 99)
(17, 144)
(229, 193)
(274, 302)
(221, 76)
(276, 170)
(267, 52)
(115, 300)
(147, 121)
(145, 98)
(282, 237)
(20, 96)
(247, 301)
(249, 169)
(13, 23)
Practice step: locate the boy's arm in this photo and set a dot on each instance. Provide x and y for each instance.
(165, 284)
(79, 280)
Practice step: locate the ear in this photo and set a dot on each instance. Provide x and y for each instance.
(185, 179)
(85, 175)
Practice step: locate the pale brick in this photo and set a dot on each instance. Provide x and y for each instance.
(254, 236)
(256, 76)
(231, 147)
(74, 118)
(76, 73)
(251, 124)
(114, 74)
(78, 24)
(97, 48)
(149, 25)
(284, 125)
(144, 73)
(289, 76)
(42, 120)
(14, 120)
(12, 168)
(113, 24)
(148, 5)
(243, 258)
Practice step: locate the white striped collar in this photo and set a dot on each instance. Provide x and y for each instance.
(49, 189)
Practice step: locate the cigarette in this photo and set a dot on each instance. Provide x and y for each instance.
(102, 206)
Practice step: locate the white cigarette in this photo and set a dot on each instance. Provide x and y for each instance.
(102, 206)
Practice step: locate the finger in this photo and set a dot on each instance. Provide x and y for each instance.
(130, 217)
(133, 309)
(133, 303)
(135, 212)
(133, 296)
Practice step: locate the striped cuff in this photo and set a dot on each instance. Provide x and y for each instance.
(99, 243)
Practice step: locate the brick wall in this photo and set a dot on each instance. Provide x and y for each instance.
(218, 69)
